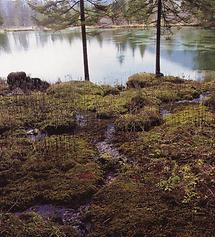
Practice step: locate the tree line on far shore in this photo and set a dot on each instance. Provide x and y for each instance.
(18, 13)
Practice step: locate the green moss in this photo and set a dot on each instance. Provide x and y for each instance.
(194, 114)
(166, 89)
(141, 80)
(210, 102)
(111, 106)
(163, 188)
(58, 122)
(105, 107)
(127, 208)
(109, 90)
(73, 88)
(58, 169)
(209, 84)
(142, 121)
(32, 225)
(36, 110)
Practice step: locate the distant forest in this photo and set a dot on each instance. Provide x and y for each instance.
(16, 13)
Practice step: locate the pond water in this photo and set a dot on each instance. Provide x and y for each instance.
(113, 54)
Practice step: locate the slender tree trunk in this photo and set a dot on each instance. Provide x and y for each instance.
(84, 41)
(159, 13)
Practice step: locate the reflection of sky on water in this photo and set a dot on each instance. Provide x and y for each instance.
(113, 55)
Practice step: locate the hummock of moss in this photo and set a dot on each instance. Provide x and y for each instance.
(167, 89)
(209, 85)
(142, 121)
(141, 80)
(36, 111)
(58, 170)
(210, 102)
(198, 115)
(135, 207)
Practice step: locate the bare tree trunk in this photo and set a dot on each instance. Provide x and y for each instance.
(158, 40)
(84, 41)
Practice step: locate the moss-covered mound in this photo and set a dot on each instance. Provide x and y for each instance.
(141, 80)
(142, 121)
(36, 111)
(210, 102)
(57, 170)
(134, 206)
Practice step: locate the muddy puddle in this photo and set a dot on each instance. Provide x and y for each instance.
(81, 120)
(198, 100)
(106, 147)
(64, 215)
(167, 108)
(35, 134)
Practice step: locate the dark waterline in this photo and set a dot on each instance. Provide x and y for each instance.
(113, 54)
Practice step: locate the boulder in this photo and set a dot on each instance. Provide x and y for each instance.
(15, 79)
(24, 82)
(38, 84)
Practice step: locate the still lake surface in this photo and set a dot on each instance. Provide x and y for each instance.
(113, 54)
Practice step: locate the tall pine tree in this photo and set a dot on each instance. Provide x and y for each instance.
(61, 14)
(162, 13)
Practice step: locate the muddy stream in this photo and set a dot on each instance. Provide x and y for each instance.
(76, 217)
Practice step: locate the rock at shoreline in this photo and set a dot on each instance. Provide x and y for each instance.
(22, 81)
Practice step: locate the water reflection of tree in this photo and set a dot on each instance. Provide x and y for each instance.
(134, 40)
(189, 47)
(123, 40)
(42, 38)
(142, 49)
(99, 39)
(203, 42)
(97, 35)
(71, 36)
(22, 39)
(121, 59)
(170, 44)
(4, 43)
(205, 60)
(192, 48)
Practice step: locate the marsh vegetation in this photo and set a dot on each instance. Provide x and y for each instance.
(89, 160)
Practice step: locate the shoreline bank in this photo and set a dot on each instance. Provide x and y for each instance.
(129, 26)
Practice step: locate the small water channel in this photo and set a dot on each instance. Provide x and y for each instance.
(77, 217)
(166, 108)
